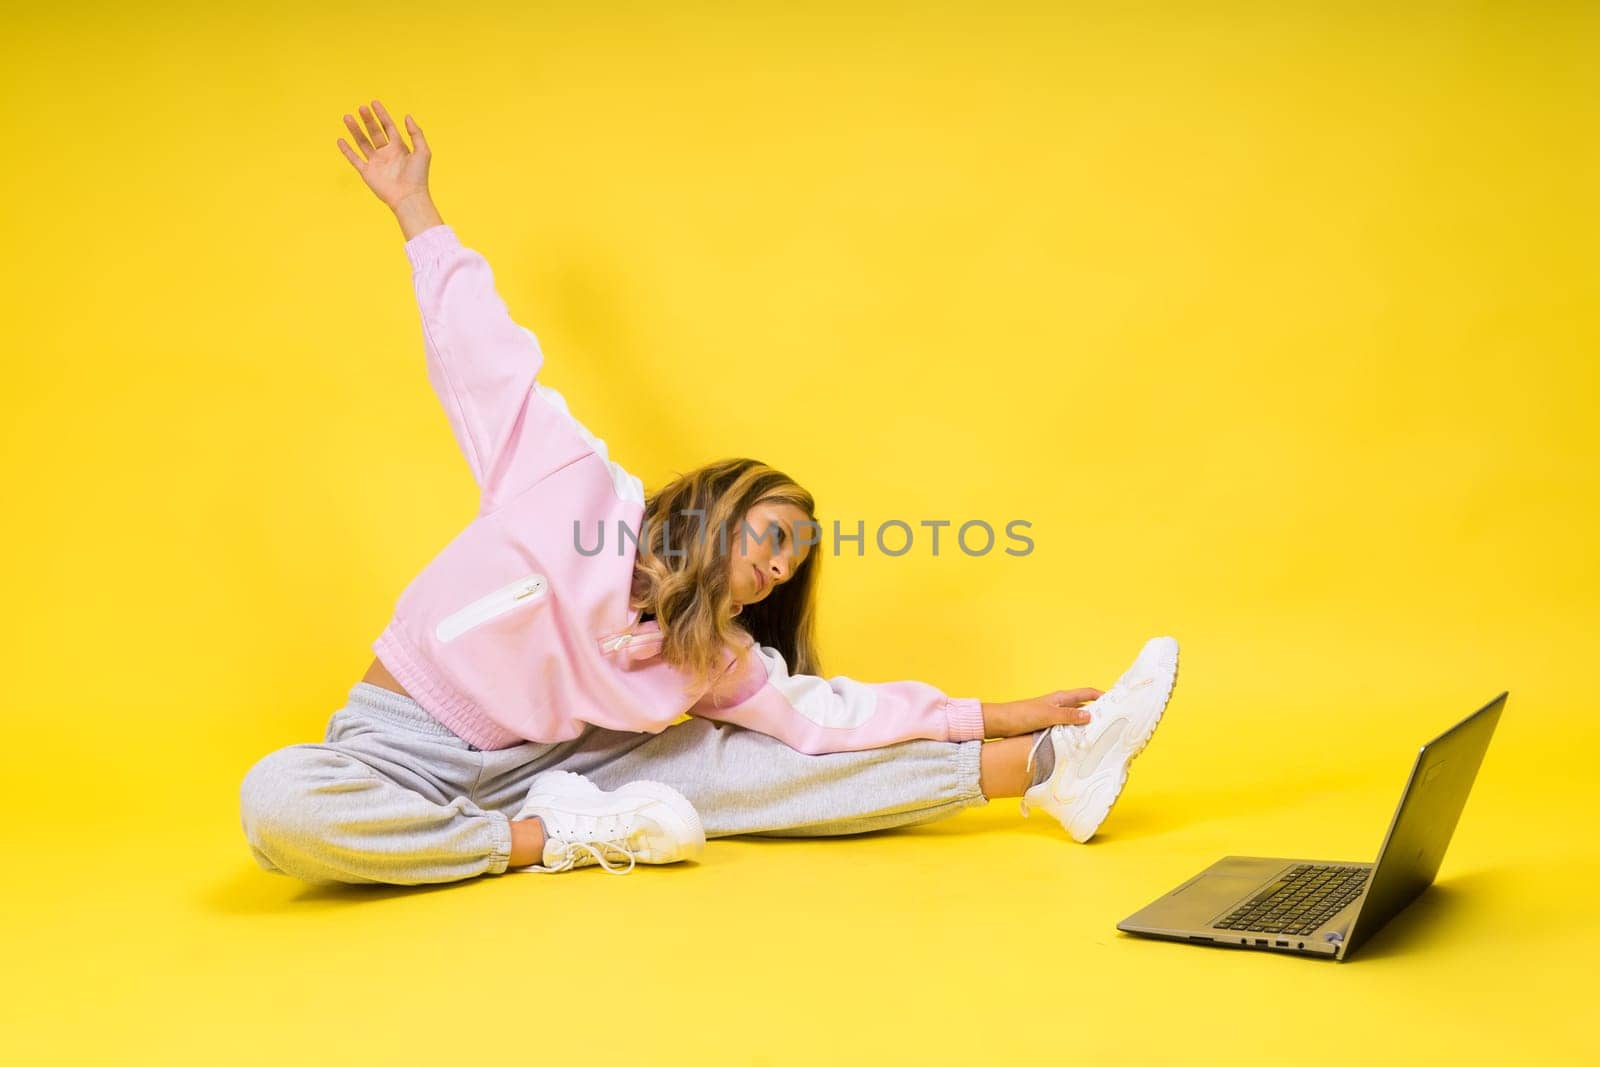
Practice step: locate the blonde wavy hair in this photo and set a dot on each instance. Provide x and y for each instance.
(689, 591)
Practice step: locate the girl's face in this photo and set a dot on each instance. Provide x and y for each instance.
(767, 553)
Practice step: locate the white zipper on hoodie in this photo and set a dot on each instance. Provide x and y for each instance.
(613, 642)
(502, 600)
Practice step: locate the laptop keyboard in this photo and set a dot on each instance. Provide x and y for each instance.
(1306, 897)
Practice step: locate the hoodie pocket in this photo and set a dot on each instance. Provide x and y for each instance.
(529, 588)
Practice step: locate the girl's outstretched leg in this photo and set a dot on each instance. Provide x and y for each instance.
(746, 782)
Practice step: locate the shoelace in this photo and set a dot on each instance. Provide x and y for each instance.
(570, 860)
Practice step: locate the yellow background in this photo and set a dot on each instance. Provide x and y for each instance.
(1277, 322)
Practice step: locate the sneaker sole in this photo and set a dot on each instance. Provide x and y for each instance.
(1166, 698)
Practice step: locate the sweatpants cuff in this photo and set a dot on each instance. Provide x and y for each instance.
(500, 831)
(967, 779)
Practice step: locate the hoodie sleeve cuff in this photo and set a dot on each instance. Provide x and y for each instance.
(430, 244)
(965, 716)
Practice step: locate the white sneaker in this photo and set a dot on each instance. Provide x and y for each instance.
(1091, 760)
(647, 822)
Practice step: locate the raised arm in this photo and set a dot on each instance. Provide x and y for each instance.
(483, 366)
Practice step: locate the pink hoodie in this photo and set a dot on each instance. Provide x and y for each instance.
(510, 634)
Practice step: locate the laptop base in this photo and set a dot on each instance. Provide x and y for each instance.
(1188, 912)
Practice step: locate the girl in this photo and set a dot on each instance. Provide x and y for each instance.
(522, 711)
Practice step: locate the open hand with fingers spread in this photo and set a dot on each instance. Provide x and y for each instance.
(390, 169)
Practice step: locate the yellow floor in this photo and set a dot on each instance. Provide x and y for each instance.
(148, 935)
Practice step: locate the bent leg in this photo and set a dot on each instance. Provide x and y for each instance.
(387, 797)
(322, 815)
(743, 781)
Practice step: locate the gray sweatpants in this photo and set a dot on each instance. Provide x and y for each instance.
(392, 795)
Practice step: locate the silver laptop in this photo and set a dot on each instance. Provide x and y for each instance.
(1322, 908)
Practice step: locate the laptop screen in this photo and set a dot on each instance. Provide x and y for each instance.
(1429, 809)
